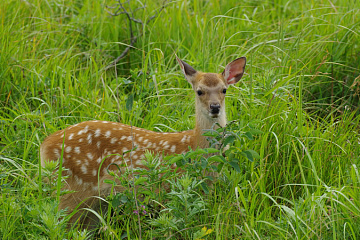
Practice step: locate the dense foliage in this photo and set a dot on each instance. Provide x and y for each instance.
(292, 168)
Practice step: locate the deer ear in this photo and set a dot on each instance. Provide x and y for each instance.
(234, 71)
(188, 70)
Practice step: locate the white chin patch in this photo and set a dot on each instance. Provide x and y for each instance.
(212, 115)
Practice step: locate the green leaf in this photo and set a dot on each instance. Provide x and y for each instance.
(126, 81)
(211, 150)
(201, 151)
(216, 158)
(204, 186)
(204, 163)
(108, 181)
(250, 155)
(198, 151)
(235, 165)
(211, 178)
(129, 102)
(254, 153)
(211, 133)
(229, 139)
(219, 167)
(124, 198)
(116, 201)
(190, 154)
(176, 159)
(249, 135)
(181, 162)
(140, 180)
(255, 131)
(230, 152)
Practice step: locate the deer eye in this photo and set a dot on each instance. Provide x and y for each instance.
(224, 90)
(199, 92)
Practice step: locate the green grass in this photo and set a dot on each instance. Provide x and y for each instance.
(301, 89)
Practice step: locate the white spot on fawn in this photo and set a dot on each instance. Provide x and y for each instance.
(108, 134)
(78, 180)
(140, 139)
(89, 138)
(105, 122)
(125, 149)
(135, 157)
(113, 140)
(183, 140)
(129, 138)
(90, 156)
(81, 140)
(77, 150)
(85, 130)
(173, 148)
(94, 172)
(68, 149)
(97, 132)
(71, 136)
(99, 160)
(84, 169)
(123, 137)
(57, 152)
(106, 152)
(98, 144)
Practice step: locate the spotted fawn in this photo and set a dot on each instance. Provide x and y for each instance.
(88, 148)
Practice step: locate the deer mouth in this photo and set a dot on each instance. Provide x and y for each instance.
(214, 115)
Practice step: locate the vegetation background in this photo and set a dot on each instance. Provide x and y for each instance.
(301, 90)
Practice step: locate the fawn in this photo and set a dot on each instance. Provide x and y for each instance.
(88, 148)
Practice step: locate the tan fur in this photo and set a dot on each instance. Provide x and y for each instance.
(89, 148)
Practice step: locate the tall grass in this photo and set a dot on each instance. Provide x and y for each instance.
(301, 89)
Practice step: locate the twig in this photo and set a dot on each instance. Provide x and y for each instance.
(121, 10)
(133, 178)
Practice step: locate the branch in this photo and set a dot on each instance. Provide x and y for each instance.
(121, 10)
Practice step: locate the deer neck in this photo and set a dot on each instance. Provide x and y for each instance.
(205, 122)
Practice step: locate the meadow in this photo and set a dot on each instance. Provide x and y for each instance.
(292, 168)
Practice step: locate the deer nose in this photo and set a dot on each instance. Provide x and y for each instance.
(215, 108)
